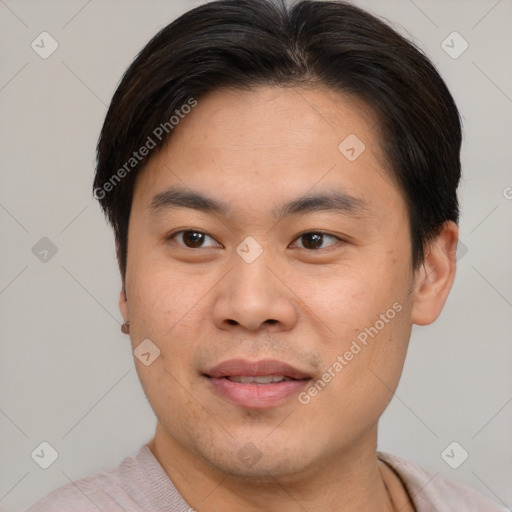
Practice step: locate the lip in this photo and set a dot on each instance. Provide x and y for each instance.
(256, 396)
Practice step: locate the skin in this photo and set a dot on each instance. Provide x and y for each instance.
(203, 305)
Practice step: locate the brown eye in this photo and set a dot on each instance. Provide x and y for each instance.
(314, 240)
(193, 239)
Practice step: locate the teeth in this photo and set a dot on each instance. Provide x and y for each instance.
(267, 379)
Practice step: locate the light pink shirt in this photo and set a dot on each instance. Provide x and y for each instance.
(140, 484)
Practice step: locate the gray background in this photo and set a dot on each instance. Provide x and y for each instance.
(67, 373)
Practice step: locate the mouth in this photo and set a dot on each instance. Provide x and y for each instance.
(256, 384)
(259, 379)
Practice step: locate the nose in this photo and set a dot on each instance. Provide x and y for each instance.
(254, 296)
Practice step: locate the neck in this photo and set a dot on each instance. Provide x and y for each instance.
(351, 480)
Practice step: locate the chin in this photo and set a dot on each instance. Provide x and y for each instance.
(260, 461)
(265, 471)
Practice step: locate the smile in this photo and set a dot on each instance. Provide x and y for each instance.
(256, 385)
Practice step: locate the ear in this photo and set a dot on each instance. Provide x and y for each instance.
(434, 279)
(123, 301)
(123, 304)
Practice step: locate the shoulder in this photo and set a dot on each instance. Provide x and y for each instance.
(431, 492)
(86, 494)
(138, 484)
(103, 491)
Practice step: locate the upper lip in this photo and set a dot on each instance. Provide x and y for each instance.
(243, 367)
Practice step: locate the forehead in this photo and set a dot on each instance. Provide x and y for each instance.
(265, 117)
(273, 141)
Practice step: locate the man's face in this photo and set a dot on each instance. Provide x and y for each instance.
(257, 282)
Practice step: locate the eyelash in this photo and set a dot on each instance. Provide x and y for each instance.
(323, 233)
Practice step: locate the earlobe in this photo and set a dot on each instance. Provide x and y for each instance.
(434, 279)
(123, 304)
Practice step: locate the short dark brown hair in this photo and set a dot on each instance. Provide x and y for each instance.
(245, 43)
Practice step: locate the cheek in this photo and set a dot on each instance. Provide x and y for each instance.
(360, 378)
(349, 300)
(365, 316)
(166, 392)
(163, 298)
(169, 314)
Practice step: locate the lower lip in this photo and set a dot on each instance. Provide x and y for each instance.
(257, 396)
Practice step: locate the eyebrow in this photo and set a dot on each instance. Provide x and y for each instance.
(334, 201)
